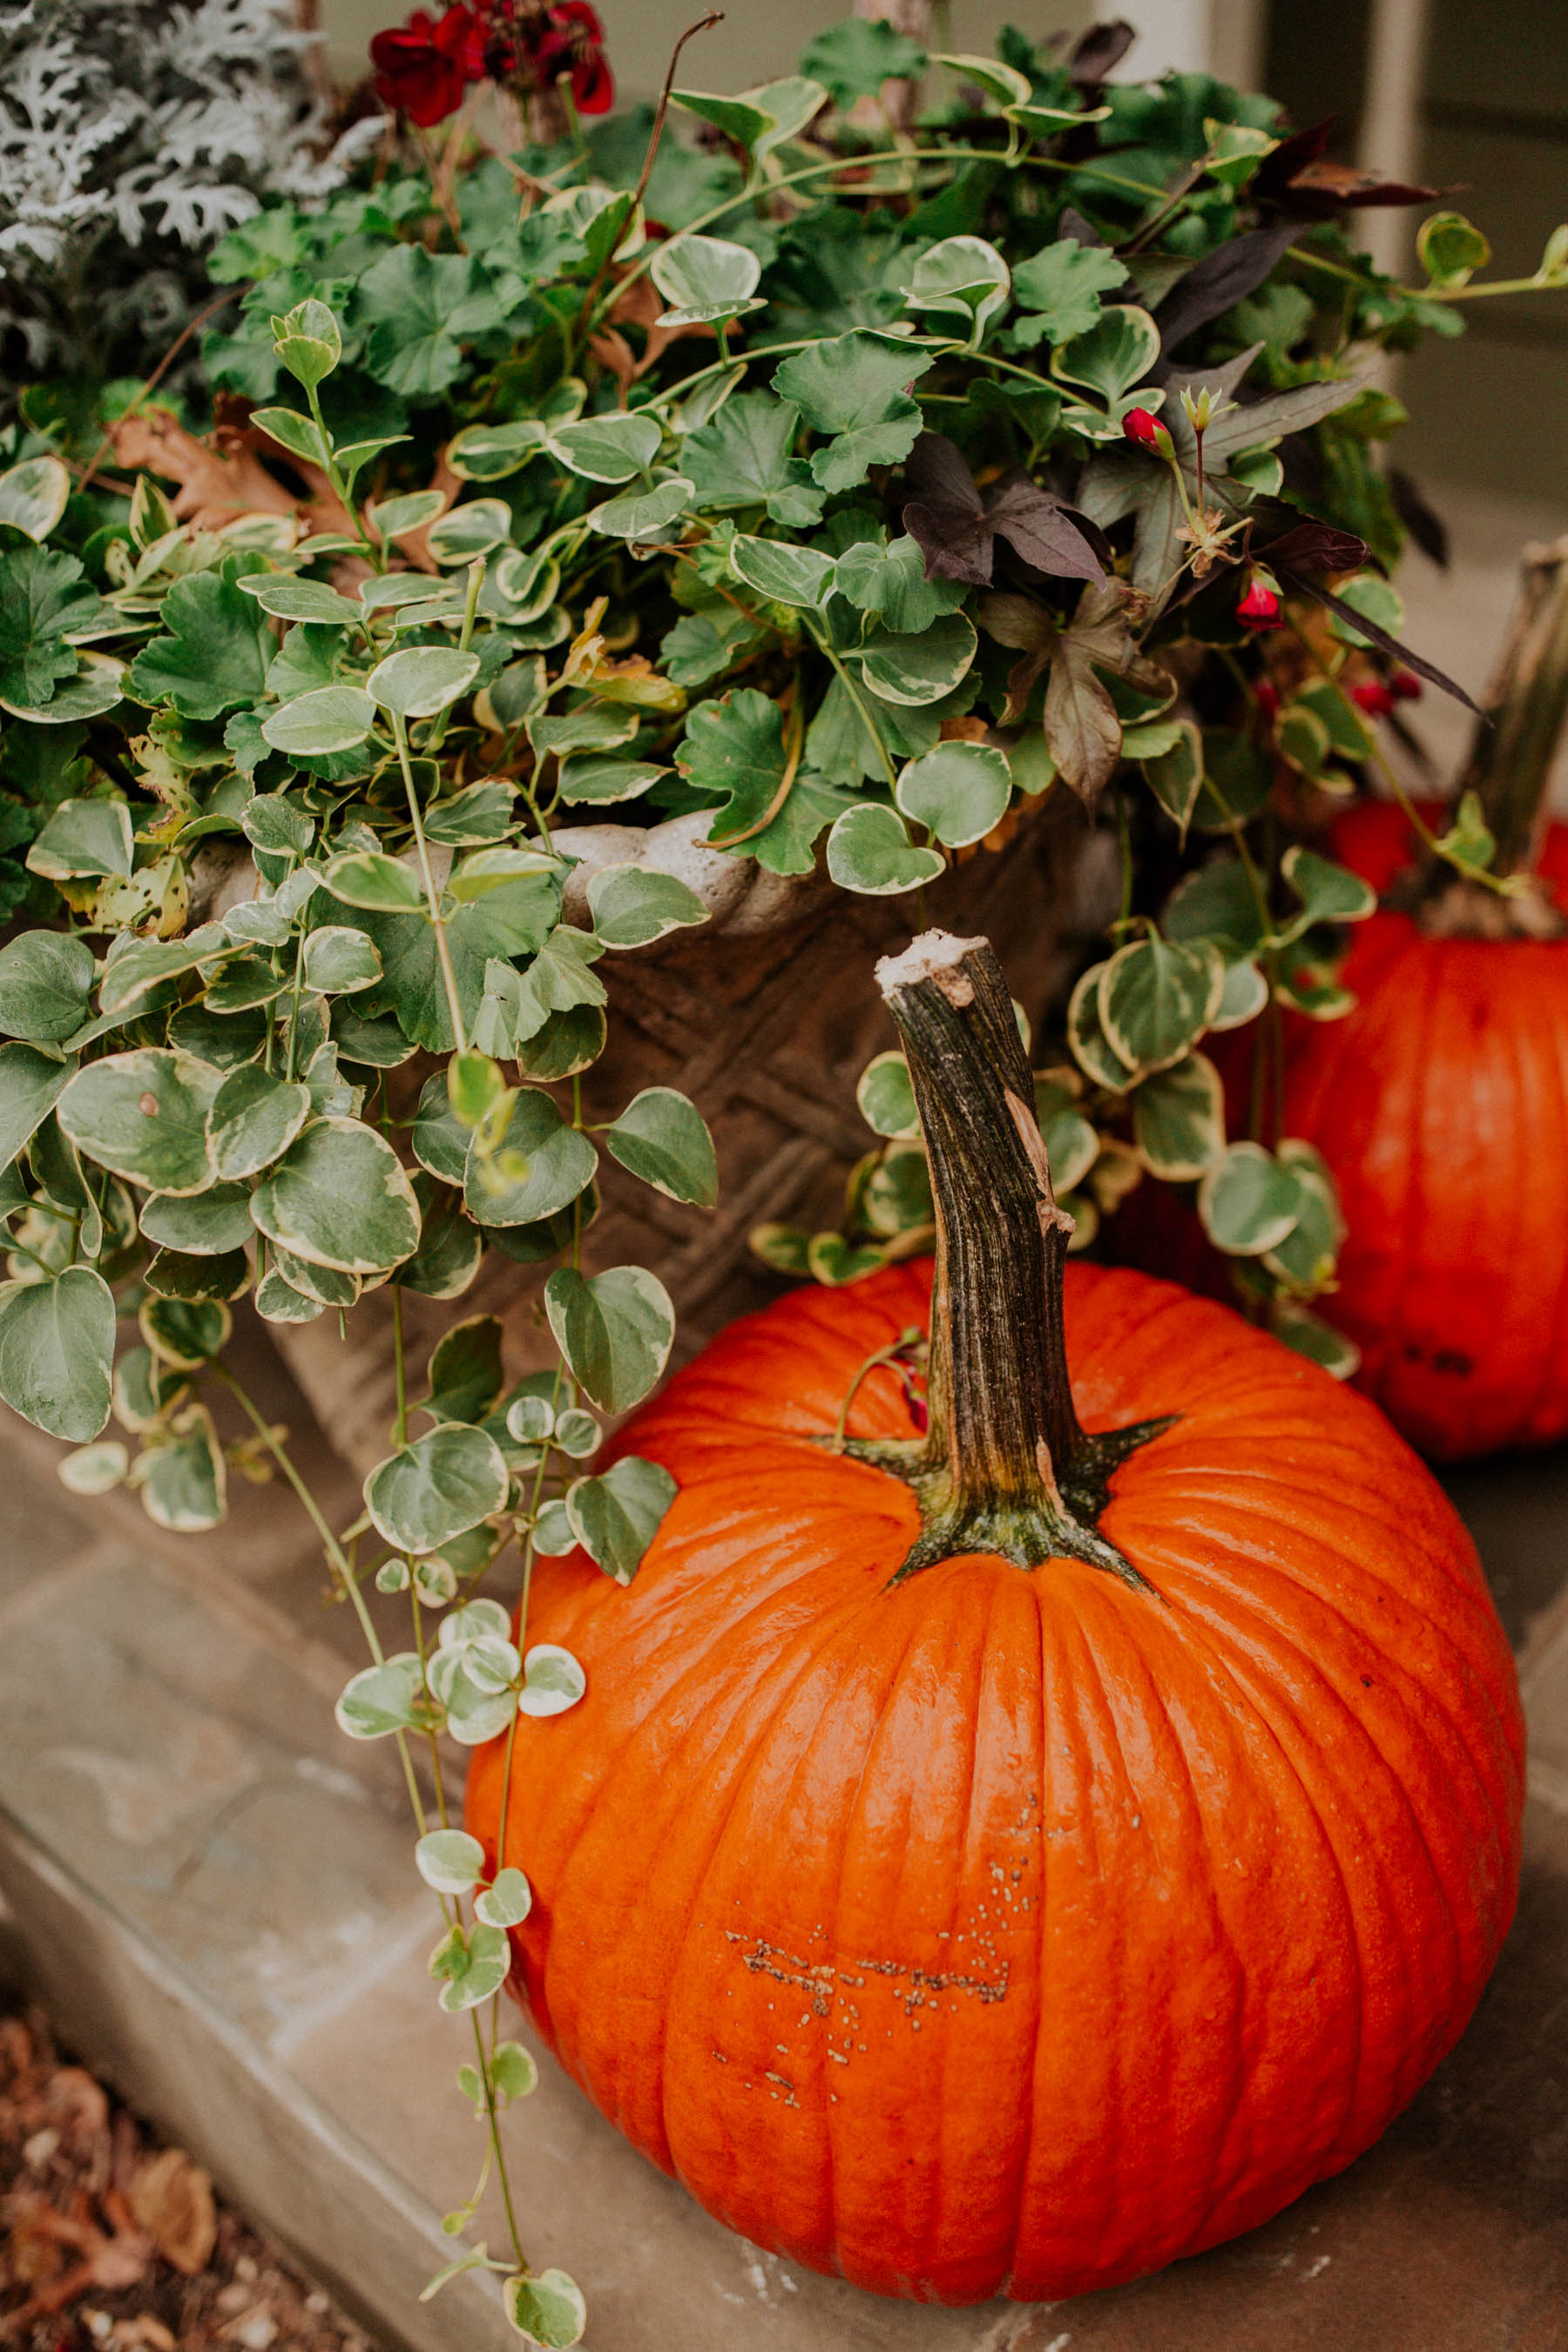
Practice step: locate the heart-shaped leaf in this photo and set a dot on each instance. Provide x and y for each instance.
(870, 850)
(338, 1197)
(616, 1517)
(437, 1487)
(662, 1137)
(616, 1330)
(959, 792)
(56, 1345)
(145, 1115)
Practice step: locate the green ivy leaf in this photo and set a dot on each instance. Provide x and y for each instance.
(964, 280)
(466, 1376)
(1248, 1201)
(180, 1474)
(475, 528)
(662, 1137)
(959, 792)
(33, 495)
(419, 682)
(705, 280)
(183, 1333)
(443, 1483)
(645, 514)
(204, 1225)
(329, 718)
(616, 1517)
(615, 448)
(634, 905)
(1178, 1119)
(56, 1345)
(252, 1120)
(84, 838)
(886, 1096)
(916, 670)
(143, 1115)
(869, 851)
(382, 1699)
(534, 1167)
(616, 1330)
(339, 961)
(369, 878)
(46, 985)
(783, 574)
(1329, 893)
(339, 1198)
(449, 1860)
(547, 2308)
(1156, 997)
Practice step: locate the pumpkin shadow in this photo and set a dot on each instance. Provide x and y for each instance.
(1516, 1507)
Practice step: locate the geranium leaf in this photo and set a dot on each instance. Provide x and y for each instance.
(856, 388)
(1060, 287)
(215, 650)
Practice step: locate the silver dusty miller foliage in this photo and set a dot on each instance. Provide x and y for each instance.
(132, 135)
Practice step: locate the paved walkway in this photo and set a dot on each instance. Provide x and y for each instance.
(214, 1892)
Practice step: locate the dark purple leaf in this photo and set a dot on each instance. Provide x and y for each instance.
(955, 528)
(1320, 191)
(1308, 548)
(1219, 281)
(1277, 171)
(1099, 53)
(1379, 638)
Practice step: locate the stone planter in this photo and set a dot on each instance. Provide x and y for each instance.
(766, 1018)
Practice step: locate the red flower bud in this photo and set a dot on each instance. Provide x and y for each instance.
(1140, 425)
(1405, 686)
(1266, 696)
(1373, 697)
(1259, 608)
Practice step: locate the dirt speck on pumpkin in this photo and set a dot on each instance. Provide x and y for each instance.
(113, 2242)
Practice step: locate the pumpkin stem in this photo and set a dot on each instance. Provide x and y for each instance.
(1510, 758)
(1005, 1466)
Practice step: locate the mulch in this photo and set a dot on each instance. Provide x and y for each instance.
(115, 2242)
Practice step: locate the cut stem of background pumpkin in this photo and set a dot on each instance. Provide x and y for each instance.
(1513, 753)
(1005, 1465)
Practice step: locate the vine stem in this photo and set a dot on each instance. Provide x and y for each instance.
(853, 691)
(432, 896)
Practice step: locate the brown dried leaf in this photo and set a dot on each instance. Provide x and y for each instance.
(172, 2199)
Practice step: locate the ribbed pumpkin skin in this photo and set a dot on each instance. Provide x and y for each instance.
(1441, 1105)
(1007, 1931)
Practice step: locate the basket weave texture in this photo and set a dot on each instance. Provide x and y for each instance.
(768, 1034)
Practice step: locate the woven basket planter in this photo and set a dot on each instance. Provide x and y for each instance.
(766, 1018)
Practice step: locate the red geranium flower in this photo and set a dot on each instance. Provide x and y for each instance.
(421, 67)
(535, 42)
(1373, 697)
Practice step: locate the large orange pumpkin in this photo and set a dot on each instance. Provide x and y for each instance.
(1003, 1860)
(1441, 1105)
